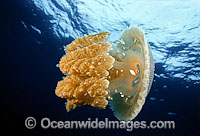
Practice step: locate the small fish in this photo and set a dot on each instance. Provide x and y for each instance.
(171, 113)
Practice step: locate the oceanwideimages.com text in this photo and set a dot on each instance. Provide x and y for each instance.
(47, 123)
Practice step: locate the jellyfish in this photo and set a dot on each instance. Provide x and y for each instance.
(101, 72)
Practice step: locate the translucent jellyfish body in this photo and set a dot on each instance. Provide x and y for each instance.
(98, 71)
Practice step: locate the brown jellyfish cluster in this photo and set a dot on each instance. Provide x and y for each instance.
(98, 71)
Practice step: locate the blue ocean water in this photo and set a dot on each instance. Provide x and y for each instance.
(33, 35)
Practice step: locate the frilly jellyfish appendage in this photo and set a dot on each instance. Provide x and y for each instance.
(98, 70)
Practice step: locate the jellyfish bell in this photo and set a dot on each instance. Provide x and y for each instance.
(133, 74)
(98, 70)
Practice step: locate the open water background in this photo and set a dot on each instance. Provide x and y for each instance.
(32, 36)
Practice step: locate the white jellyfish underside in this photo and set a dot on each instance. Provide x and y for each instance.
(98, 70)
